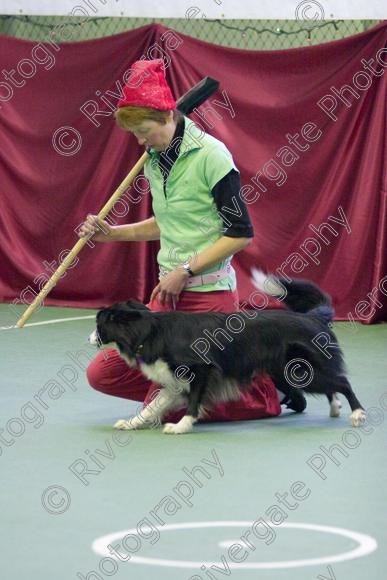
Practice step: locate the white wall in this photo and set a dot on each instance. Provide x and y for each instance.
(239, 9)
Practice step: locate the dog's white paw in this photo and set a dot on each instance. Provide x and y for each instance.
(183, 426)
(175, 429)
(127, 424)
(335, 407)
(358, 417)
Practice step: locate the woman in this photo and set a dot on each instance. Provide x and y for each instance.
(201, 223)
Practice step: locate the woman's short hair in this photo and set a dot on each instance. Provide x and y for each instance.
(130, 116)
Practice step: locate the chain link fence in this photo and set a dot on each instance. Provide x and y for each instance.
(243, 34)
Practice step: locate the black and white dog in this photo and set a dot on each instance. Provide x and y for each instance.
(202, 358)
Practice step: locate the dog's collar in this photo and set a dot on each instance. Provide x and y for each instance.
(139, 359)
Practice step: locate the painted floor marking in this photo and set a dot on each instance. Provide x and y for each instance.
(54, 321)
(366, 545)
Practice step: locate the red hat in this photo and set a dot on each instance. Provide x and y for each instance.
(153, 91)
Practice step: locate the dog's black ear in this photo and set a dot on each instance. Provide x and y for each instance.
(124, 316)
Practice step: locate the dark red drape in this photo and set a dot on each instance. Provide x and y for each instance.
(337, 177)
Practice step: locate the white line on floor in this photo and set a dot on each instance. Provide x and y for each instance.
(55, 321)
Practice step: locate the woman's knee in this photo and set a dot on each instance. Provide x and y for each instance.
(94, 375)
(101, 372)
(108, 373)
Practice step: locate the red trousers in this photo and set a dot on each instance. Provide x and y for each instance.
(109, 373)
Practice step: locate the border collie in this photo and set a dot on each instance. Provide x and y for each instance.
(202, 358)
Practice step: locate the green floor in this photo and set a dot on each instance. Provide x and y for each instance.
(256, 461)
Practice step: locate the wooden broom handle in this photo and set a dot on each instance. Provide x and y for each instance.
(82, 241)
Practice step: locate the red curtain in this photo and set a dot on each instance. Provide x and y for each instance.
(312, 158)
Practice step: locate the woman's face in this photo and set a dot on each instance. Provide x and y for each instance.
(154, 134)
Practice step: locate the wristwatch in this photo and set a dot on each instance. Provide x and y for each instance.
(187, 268)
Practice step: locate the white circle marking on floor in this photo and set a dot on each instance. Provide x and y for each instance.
(366, 545)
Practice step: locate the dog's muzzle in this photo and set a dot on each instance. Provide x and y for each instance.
(94, 339)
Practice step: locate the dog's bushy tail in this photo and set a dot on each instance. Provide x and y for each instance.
(323, 313)
(298, 295)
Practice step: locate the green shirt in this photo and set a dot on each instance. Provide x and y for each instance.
(186, 213)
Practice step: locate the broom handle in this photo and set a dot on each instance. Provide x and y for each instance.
(82, 241)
